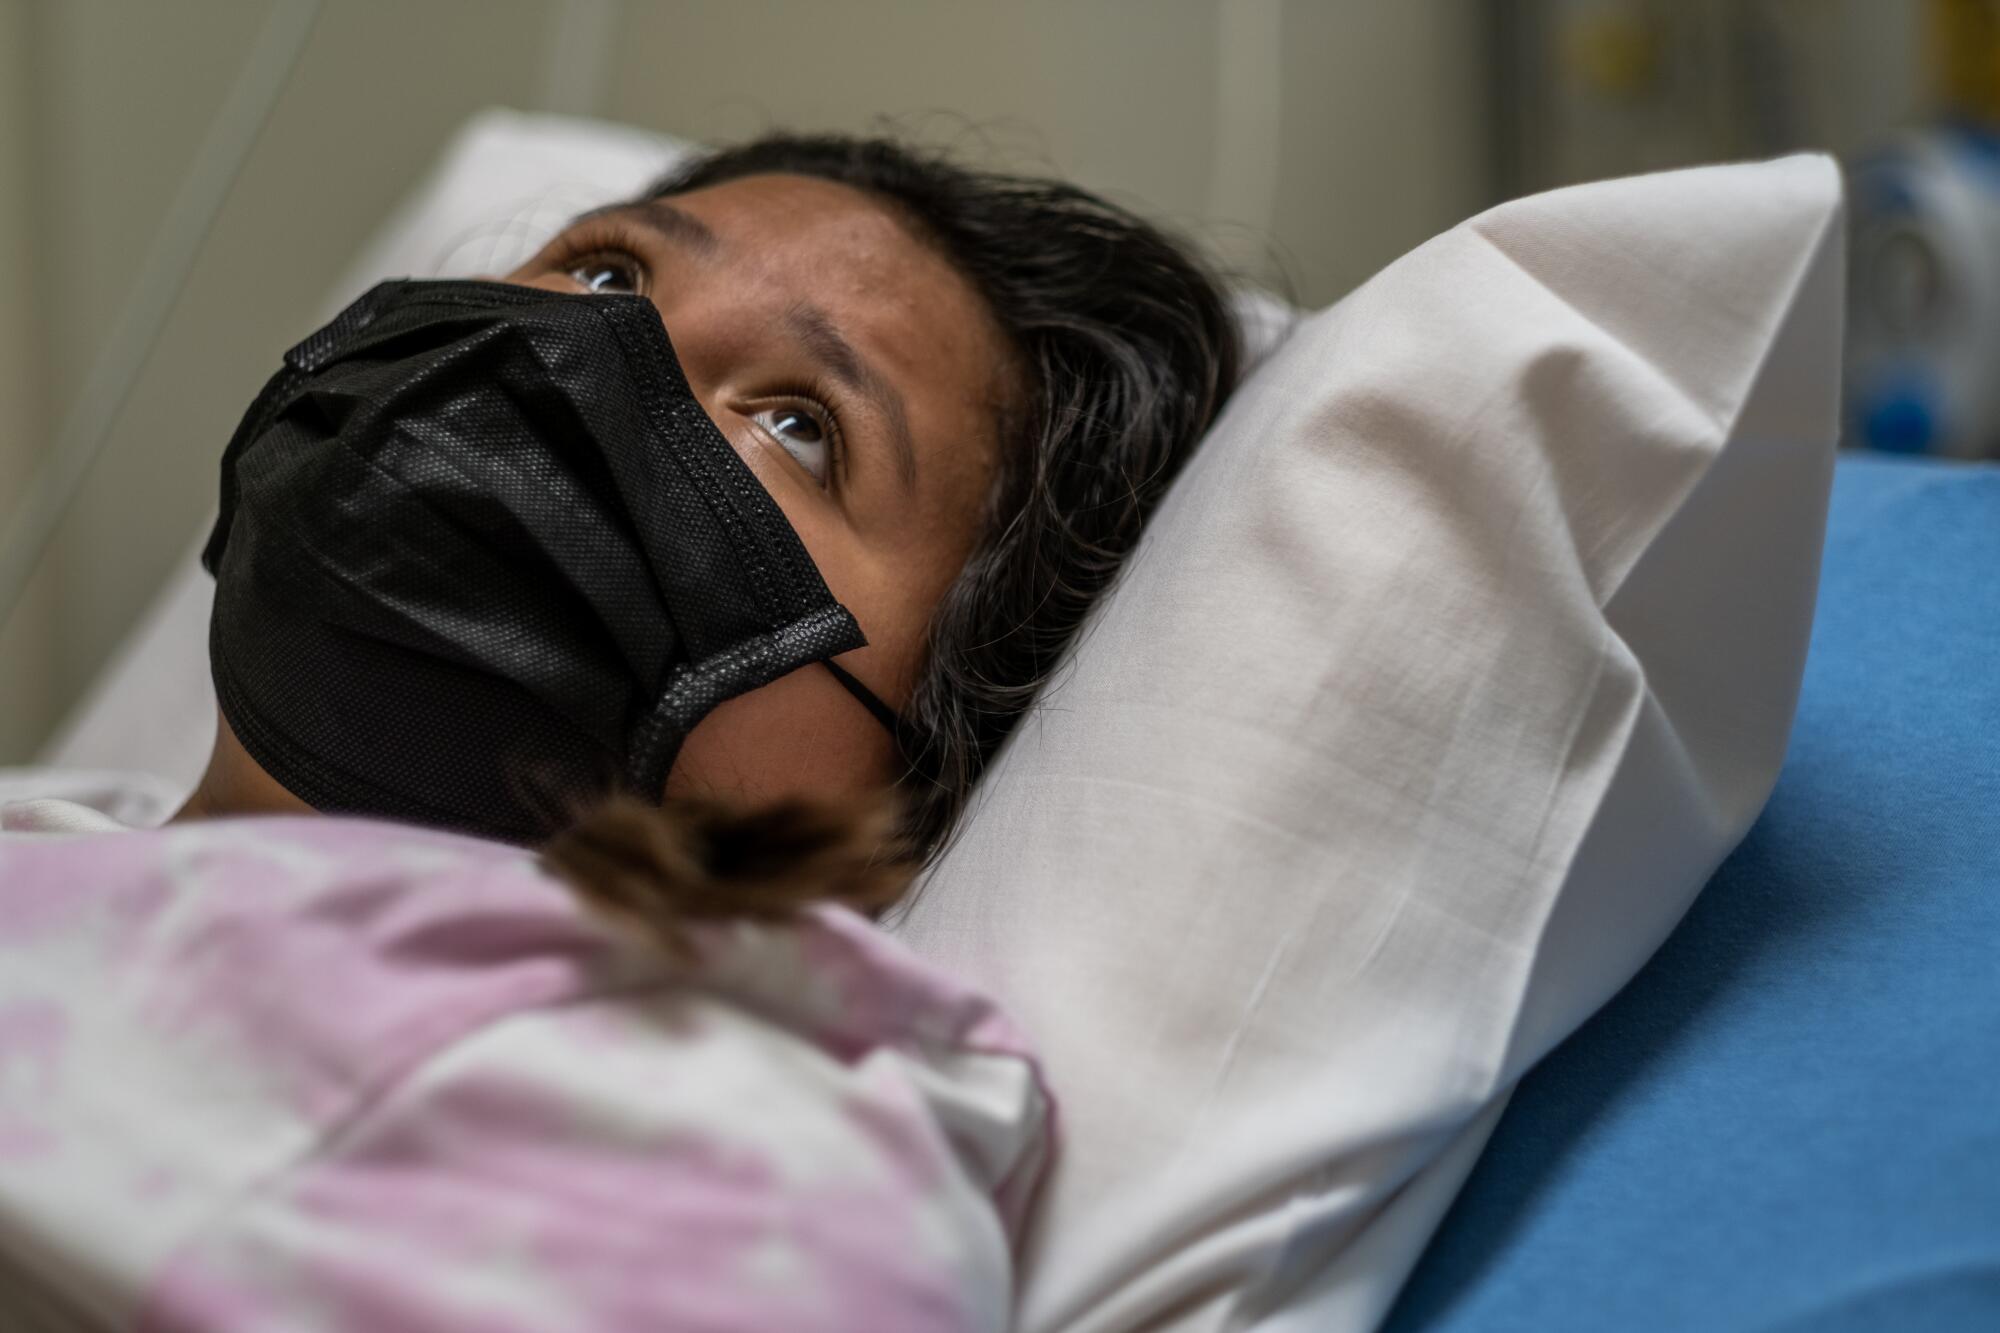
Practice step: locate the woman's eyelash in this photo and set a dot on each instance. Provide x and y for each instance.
(596, 239)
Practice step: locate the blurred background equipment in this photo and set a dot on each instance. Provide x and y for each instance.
(1923, 340)
(1923, 367)
(1908, 93)
(1306, 142)
(1594, 88)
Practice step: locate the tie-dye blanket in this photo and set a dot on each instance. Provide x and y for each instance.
(318, 1074)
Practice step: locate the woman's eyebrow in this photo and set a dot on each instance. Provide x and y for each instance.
(670, 224)
(822, 341)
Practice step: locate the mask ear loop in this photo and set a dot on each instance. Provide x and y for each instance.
(866, 697)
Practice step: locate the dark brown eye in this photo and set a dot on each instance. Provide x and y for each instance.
(801, 434)
(607, 273)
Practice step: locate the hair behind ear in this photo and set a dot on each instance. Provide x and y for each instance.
(658, 870)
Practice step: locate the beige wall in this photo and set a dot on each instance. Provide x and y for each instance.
(1117, 93)
(1640, 85)
(1376, 104)
(1341, 130)
(123, 92)
(27, 694)
(1383, 134)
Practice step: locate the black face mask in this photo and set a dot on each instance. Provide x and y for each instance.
(483, 557)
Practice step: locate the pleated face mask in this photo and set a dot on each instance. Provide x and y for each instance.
(482, 556)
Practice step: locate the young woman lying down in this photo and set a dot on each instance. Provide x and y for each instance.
(657, 607)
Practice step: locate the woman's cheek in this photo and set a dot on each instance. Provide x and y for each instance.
(801, 736)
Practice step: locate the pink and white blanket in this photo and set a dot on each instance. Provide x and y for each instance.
(321, 1074)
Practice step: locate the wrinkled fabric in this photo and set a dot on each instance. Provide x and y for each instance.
(321, 1075)
(1462, 651)
(482, 556)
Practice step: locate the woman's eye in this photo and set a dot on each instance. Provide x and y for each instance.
(606, 273)
(804, 435)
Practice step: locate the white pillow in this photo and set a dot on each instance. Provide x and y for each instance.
(1464, 650)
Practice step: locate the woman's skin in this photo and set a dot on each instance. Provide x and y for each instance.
(803, 312)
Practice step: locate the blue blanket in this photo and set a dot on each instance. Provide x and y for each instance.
(1790, 1120)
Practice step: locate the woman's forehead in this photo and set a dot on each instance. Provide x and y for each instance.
(819, 232)
(854, 254)
(794, 241)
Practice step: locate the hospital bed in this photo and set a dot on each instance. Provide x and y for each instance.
(1788, 1120)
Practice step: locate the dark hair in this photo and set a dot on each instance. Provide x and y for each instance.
(1126, 348)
